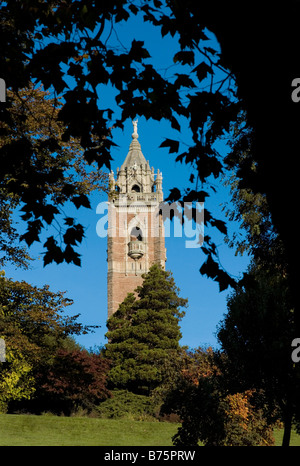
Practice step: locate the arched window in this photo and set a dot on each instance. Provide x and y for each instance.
(136, 234)
(135, 189)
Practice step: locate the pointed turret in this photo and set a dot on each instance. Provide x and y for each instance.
(135, 157)
(135, 175)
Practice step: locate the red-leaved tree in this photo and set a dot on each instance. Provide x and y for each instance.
(76, 379)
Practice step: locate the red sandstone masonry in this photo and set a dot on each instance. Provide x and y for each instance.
(135, 182)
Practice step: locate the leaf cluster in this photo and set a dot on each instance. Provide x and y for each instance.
(32, 318)
(74, 378)
(125, 404)
(210, 413)
(41, 184)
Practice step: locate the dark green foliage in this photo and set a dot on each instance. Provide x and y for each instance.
(256, 335)
(128, 405)
(144, 333)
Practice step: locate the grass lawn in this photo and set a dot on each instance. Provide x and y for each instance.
(23, 430)
(295, 438)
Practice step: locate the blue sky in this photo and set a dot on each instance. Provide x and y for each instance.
(87, 285)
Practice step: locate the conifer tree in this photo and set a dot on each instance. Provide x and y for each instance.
(144, 332)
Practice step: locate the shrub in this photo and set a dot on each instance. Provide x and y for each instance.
(74, 382)
(125, 404)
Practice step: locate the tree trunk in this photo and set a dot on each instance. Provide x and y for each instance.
(287, 429)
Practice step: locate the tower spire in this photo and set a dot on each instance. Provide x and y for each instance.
(135, 155)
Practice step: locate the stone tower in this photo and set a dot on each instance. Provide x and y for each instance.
(135, 227)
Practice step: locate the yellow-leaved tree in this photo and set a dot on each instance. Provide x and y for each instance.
(16, 381)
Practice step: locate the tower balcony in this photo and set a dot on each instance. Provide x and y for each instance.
(136, 249)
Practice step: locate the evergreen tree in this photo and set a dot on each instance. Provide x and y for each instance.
(144, 333)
